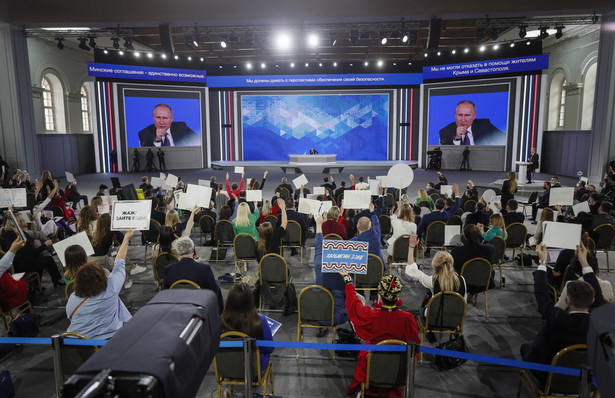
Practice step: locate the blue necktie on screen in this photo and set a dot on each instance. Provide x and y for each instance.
(466, 140)
(166, 141)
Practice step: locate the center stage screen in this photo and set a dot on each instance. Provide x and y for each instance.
(352, 126)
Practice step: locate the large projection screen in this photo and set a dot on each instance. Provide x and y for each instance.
(354, 125)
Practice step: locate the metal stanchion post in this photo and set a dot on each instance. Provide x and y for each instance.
(56, 343)
(411, 350)
(248, 348)
(585, 382)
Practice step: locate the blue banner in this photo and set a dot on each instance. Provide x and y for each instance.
(380, 79)
(489, 67)
(114, 71)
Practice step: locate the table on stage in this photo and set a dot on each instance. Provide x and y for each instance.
(522, 172)
(307, 159)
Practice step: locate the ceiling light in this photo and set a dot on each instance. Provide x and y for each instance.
(116, 42)
(453, 52)
(220, 66)
(558, 32)
(512, 44)
(202, 59)
(82, 44)
(496, 46)
(439, 53)
(383, 38)
(320, 64)
(366, 63)
(425, 55)
(121, 52)
(128, 43)
(164, 56)
(189, 58)
(137, 54)
(306, 64)
(249, 65)
(522, 31)
(150, 55)
(312, 40)
(380, 63)
(404, 37)
(105, 51)
(263, 65)
(60, 44)
(176, 56)
(332, 39)
(92, 42)
(527, 43)
(482, 48)
(223, 43)
(283, 41)
(292, 64)
(335, 64)
(467, 50)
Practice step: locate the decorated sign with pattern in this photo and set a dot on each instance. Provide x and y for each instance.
(344, 256)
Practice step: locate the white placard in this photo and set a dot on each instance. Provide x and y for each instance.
(239, 169)
(203, 183)
(357, 199)
(301, 180)
(584, 179)
(181, 201)
(452, 235)
(446, 190)
(400, 176)
(48, 214)
(319, 190)
(163, 176)
(108, 200)
(488, 195)
(425, 210)
(197, 195)
(6, 198)
(581, 207)
(102, 209)
(80, 239)
(561, 196)
(561, 235)
(69, 176)
(384, 180)
(324, 207)
(25, 214)
(131, 214)
(374, 187)
(254, 195)
(496, 199)
(308, 206)
(156, 182)
(171, 181)
(13, 197)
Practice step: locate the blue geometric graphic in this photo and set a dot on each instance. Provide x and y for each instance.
(355, 127)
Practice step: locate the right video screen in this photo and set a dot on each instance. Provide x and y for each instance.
(468, 115)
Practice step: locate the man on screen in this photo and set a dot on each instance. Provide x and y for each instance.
(166, 132)
(467, 130)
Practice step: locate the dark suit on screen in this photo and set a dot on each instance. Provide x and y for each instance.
(483, 132)
(180, 132)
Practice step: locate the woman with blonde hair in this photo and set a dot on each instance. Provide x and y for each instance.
(268, 210)
(509, 188)
(498, 228)
(423, 197)
(172, 220)
(87, 220)
(246, 221)
(402, 223)
(444, 277)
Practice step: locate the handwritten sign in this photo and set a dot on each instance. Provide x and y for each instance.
(561, 196)
(254, 195)
(319, 190)
(13, 197)
(131, 214)
(301, 180)
(344, 256)
(239, 169)
(80, 239)
(357, 199)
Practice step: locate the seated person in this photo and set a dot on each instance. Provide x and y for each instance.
(510, 213)
(479, 216)
(423, 197)
(188, 268)
(471, 247)
(269, 239)
(368, 230)
(497, 228)
(240, 315)
(332, 225)
(439, 214)
(95, 309)
(12, 292)
(245, 222)
(384, 322)
(402, 223)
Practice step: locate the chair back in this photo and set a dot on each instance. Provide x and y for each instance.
(152, 234)
(244, 247)
(500, 249)
(385, 224)
(400, 248)
(184, 284)
(435, 196)
(389, 200)
(516, 234)
(315, 305)
(435, 234)
(375, 270)
(574, 356)
(57, 211)
(207, 224)
(454, 220)
(424, 203)
(591, 245)
(446, 311)
(477, 273)
(229, 363)
(285, 192)
(271, 219)
(339, 198)
(273, 268)
(73, 356)
(333, 237)
(223, 232)
(386, 369)
(69, 289)
(606, 233)
(293, 235)
(160, 262)
(533, 197)
(469, 205)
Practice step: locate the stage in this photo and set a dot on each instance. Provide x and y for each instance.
(335, 167)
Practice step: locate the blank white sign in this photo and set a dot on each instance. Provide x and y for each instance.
(561, 235)
(561, 196)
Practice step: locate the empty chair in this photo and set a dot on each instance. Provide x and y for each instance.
(515, 240)
(244, 247)
(400, 249)
(224, 235)
(434, 237)
(477, 273)
(274, 279)
(315, 311)
(606, 234)
(533, 197)
(206, 225)
(73, 356)
(371, 280)
(293, 238)
(498, 255)
(160, 262)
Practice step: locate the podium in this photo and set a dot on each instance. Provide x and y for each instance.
(522, 177)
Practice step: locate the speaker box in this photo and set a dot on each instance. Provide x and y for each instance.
(601, 346)
(435, 26)
(163, 351)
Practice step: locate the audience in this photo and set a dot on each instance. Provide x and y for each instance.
(543, 200)
(510, 214)
(471, 247)
(479, 216)
(269, 239)
(368, 230)
(333, 225)
(12, 292)
(604, 215)
(423, 197)
(245, 222)
(293, 215)
(402, 223)
(497, 228)
(439, 214)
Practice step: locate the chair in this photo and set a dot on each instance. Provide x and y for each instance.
(293, 238)
(435, 196)
(584, 197)
(371, 280)
(606, 235)
(206, 225)
(515, 240)
(469, 205)
(557, 385)
(316, 305)
(333, 237)
(477, 273)
(271, 219)
(385, 224)
(229, 366)
(454, 220)
(14, 312)
(273, 272)
(389, 201)
(386, 369)
(244, 247)
(69, 288)
(591, 245)
(498, 255)
(184, 284)
(557, 289)
(424, 203)
(400, 249)
(73, 356)
(160, 262)
(224, 235)
(339, 198)
(150, 237)
(446, 312)
(434, 237)
(57, 211)
(533, 197)
(285, 192)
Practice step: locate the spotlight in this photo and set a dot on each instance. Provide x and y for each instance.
(383, 38)
(439, 53)
(454, 52)
(306, 64)
(522, 31)
(60, 44)
(263, 65)
(366, 63)
(116, 42)
(82, 44)
(512, 45)
(220, 66)
(482, 48)
(527, 43)
(223, 43)
(137, 54)
(292, 64)
(380, 63)
(121, 52)
(176, 56)
(128, 44)
(202, 59)
(335, 64)
(496, 46)
(320, 64)
(105, 51)
(249, 65)
(92, 42)
(467, 50)
(283, 41)
(189, 58)
(559, 33)
(404, 37)
(544, 32)
(332, 40)
(196, 40)
(150, 55)
(312, 40)
(164, 56)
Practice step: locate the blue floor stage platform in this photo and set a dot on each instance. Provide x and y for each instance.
(301, 168)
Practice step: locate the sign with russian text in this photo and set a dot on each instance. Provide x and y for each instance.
(359, 79)
(115, 71)
(131, 214)
(487, 67)
(13, 197)
(344, 256)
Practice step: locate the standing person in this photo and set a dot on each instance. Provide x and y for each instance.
(465, 163)
(509, 188)
(160, 154)
(136, 161)
(149, 156)
(534, 163)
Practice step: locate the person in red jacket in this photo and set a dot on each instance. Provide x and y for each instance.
(60, 200)
(384, 322)
(12, 292)
(232, 189)
(332, 226)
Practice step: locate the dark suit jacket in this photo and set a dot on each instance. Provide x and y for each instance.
(483, 132)
(198, 273)
(543, 200)
(431, 191)
(436, 216)
(287, 186)
(603, 219)
(295, 216)
(372, 237)
(535, 162)
(462, 254)
(512, 217)
(478, 217)
(181, 133)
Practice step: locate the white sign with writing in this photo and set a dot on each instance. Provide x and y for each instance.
(581, 207)
(308, 206)
(13, 197)
(131, 214)
(561, 196)
(171, 181)
(239, 169)
(447, 190)
(319, 190)
(198, 195)
(357, 199)
(80, 239)
(301, 180)
(254, 195)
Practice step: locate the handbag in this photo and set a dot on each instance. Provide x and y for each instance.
(345, 336)
(455, 343)
(24, 326)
